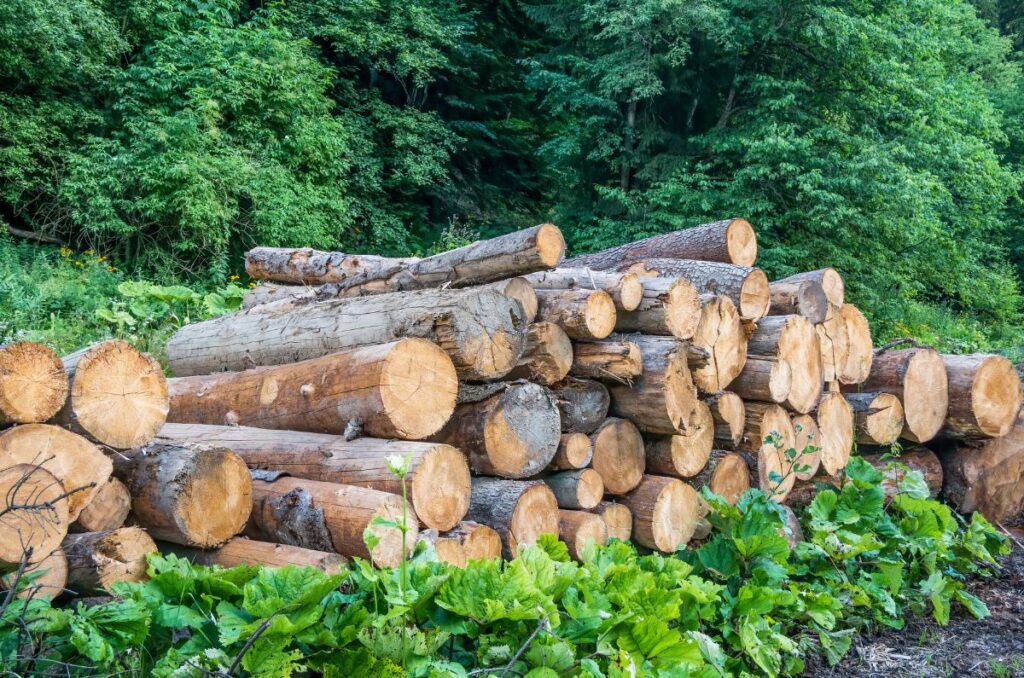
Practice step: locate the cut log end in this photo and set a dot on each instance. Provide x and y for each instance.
(580, 530)
(548, 356)
(535, 514)
(618, 520)
(618, 455)
(617, 361)
(49, 578)
(878, 417)
(665, 512)
(731, 478)
(836, 426)
(521, 290)
(441, 488)
(835, 288)
(413, 368)
(984, 396)
(33, 384)
(720, 332)
(33, 513)
(99, 559)
(806, 298)
(600, 315)
(681, 308)
(684, 455)
(729, 414)
(631, 292)
(107, 510)
(808, 447)
(860, 352)
(574, 452)
(755, 296)
(480, 542)
(741, 242)
(521, 433)
(550, 245)
(925, 396)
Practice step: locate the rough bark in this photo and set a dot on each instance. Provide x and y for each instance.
(861, 352)
(670, 307)
(618, 455)
(574, 452)
(830, 280)
(437, 476)
(984, 396)
(799, 297)
(665, 512)
(834, 417)
(107, 510)
(808, 446)
(767, 435)
(243, 551)
(766, 379)
(582, 404)
(33, 384)
(582, 489)
(579, 529)
(618, 361)
(98, 559)
(618, 519)
(746, 286)
(725, 473)
(730, 241)
(729, 415)
(720, 333)
(518, 510)
(626, 289)
(917, 376)
(986, 475)
(792, 338)
(548, 355)
(33, 514)
(683, 455)
(878, 417)
(583, 314)
(482, 330)
(663, 398)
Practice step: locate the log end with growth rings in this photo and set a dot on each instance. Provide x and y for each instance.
(925, 395)
(33, 384)
(755, 296)
(441, 486)
(206, 513)
(995, 396)
(33, 514)
(741, 242)
(618, 520)
(731, 478)
(415, 367)
(535, 513)
(836, 426)
(618, 455)
(550, 245)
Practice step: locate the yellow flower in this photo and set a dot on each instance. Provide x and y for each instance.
(232, 278)
(78, 263)
(252, 284)
(89, 252)
(111, 269)
(65, 251)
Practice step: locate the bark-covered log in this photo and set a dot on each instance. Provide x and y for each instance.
(518, 510)
(79, 465)
(746, 286)
(482, 330)
(861, 352)
(582, 489)
(669, 307)
(665, 512)
(730, 241)
(33, 384)
(729, 414)
(878, 417)
(663, 398)
(800, 297)
(188, 494)
(765, 379)
(98, 559)
(683, 455)
(513, 433)
(626, 289)
(768, 434)
(33, 514)
(117, 395)
(574, 452)
(618, 361)
(583, 314)
(986, 475)
(984, 396)
(437, 475)
(808, 446)
(405, 389)
(618, 519)
(834, 417)
(484, 261)
(582, 404)
(792, 338)
(42, 580)
(243, 551)
(579, 529)
(834, 343)
(726, 474)
(479, 542)
(107, 510)
(830, 280)
(548, 355)
(720, 333)
(917, 376)
(894, 473)
(618, 455)
(519, 289)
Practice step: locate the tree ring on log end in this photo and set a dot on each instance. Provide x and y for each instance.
(731, 478)
(755, 295)
(741, 242)
(441, 488)
(996, 396)
(412, 368)
(34, 515)
(33, 384)
(536, 513)
(675, 515)
(550, 245)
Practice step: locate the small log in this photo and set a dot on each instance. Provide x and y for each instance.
(33, 514)
(107, 510)
(405, 389)
(618, 519)
(548, 355)
(79, 465)
(437, 475)
(33, 384)
(726, 474)
(332, 517)
(518, 510)
(619, 361)
(765, 379)
(878, 417)
(665, 512)
(767, 435)
(986, 475)
(583, 314)
(984, 396)
(582, 404)
(792, 338)
(578, 529)
(834, 343)
(96, 560)
(479, 542)
(683, 455)
(861, 353)
(917, 376)
(574, 452)
(49, 578)
(117, 395)
(519, 289)
(720, 333)
(729, 414)
(484, 261)
(835, 421)
(730, 241)
(481, 330)
(663, 398)
(669, 307)
(799, 297)
(746, 286)
(618, 455)
(626, 289)
(808, 446)
(582, 489)
(243, 551)
(445, 550)
(187, 494)
(831, 283)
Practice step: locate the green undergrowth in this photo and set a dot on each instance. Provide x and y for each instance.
(744, 603)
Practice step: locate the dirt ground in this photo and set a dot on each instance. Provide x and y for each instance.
(966, 647)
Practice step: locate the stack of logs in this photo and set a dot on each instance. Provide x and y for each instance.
(504, 391)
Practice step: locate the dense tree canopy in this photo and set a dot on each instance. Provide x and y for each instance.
(884, 137)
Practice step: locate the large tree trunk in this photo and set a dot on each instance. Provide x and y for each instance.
(917, 376)
(482, 330)
(836, 425)
(437, 475)
(118, 396)
(766, 379)
(518, 510)
(618, 519)
(725, 473)
(792, 338)
(582, 404)
(730, 241)
(33, 384)
(33, 514)
(663, 399)
(582, 489)
(987, 475)
(525, 251)
(720, 333)
(49, 578)
(574, 452)
(79, 465)
(626, 289)
(188, 494)
(729, 414)
(670, 307)
(984, 396)
(243, 551)
(405, 389)
(831, 283)
(665, 512)
(808, 446)
(98, 559)
(548, 355)
(683, 455)
(512, 432)
(768, 434)
(578, 529)
(618, 361)
(799, 297)
(834, 343)
(107, 510)
(583, 314)
(861, 352)
(878, 417)
(746, 286)
(618, 455)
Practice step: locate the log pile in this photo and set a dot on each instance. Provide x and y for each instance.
(466, 403)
